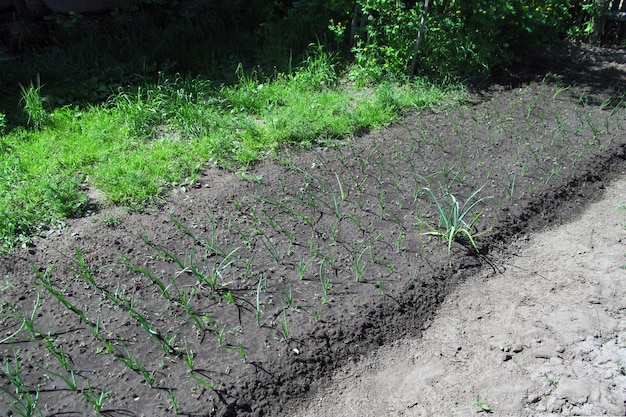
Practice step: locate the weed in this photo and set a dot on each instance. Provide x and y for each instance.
(33, 104)
(456, 220)
(111, 220)
(479, 402)
(233, 126)
(551, 379)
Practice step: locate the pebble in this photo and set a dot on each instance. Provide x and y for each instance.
(574, 391)
(584, 410)
(555, 405)
(543, 354)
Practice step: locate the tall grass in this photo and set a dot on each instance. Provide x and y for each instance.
(144, 140)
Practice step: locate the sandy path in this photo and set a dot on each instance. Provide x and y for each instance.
(547, 336)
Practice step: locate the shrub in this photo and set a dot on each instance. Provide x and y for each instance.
(462, 36)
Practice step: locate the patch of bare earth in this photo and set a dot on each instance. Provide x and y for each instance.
(543, 333)
(237, 297)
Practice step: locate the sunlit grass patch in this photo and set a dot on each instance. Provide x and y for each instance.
(144, 140)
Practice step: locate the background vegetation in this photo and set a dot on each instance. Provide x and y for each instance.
(184, 306)
(136, 102)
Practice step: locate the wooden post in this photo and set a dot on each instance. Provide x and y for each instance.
(354, 24)
(599, 21)
(420, 35)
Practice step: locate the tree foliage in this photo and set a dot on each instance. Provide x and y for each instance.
(462, 37)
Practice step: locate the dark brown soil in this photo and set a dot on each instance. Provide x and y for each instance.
(318, 256)
(543, 335)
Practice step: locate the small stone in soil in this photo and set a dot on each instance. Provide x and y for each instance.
(542, 354)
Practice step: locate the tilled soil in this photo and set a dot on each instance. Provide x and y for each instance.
(245, 292)
(544, 334)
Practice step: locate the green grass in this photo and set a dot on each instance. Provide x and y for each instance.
(144, 140)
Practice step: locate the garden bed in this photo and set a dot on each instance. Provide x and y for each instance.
(243, 292)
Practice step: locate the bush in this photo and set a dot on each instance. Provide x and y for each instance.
(462, 36)
(504, 31)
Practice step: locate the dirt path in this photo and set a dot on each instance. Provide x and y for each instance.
(546, 335)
